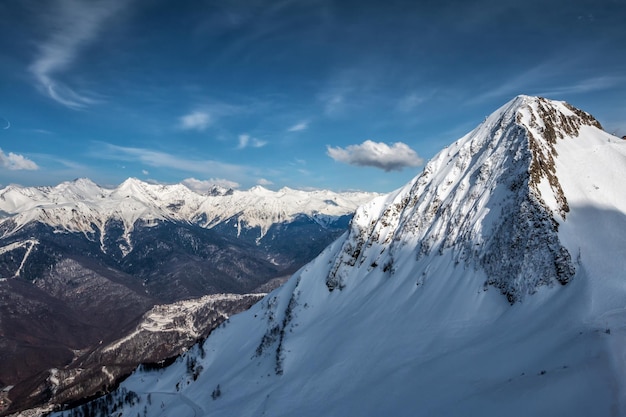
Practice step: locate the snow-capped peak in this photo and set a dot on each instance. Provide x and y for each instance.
(82, 206)
(492, 197)
(260, 190)
(216, 190)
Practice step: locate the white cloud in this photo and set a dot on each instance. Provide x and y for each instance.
(378, 155)
(298, 127)
(15, 162)
(202, 186)
(197, 120)
(164, 160)
(145, 172)
(76, 24)
(243, 141)
(247, 140)
(263, 181)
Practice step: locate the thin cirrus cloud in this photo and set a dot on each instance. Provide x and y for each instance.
(585, 86)
(196, 120)
(76, 24)
(16, 162)
(164, 160)
(549, 79)
(246, 141)
(209, 113)
(298, 127)
(378, 155)
(409, 102)
(334, 104)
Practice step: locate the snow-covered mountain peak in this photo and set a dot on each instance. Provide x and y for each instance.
(493, 198)
(132, 188)
(217, 190)
(82, 206)
(80, 183)
(260, 190)
(287, 190)
(79, 189)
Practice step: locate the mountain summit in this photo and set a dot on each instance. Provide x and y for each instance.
(493, 198)
(492, 284)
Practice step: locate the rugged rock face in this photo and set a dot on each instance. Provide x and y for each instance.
(482, 198)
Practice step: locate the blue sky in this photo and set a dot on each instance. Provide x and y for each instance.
(307, 94)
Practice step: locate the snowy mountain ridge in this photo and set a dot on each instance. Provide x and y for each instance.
(489, 196)
(399, 317)
(83, 206)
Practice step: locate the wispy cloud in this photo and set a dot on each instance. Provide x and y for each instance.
(248, 141)
(16, 162)
(518, 84)
(350, 88)
(164, 160)
(409, 102)
(197, 120)
(264, 182)
(75, 24)
(208, 112)
(585, 86)
(334, 104)
(298, 127)
(51, 160)
(202, 186)
(551, 78)
(377, 154)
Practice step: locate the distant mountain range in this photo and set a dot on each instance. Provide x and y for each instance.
(492, 284)
(81, 264)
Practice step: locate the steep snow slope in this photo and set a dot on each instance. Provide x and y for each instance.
(493, 284)
(82, 206)
(164, 332)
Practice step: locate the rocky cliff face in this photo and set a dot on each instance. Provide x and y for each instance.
(492, 197)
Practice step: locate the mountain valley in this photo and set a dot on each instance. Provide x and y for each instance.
(81, 266)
